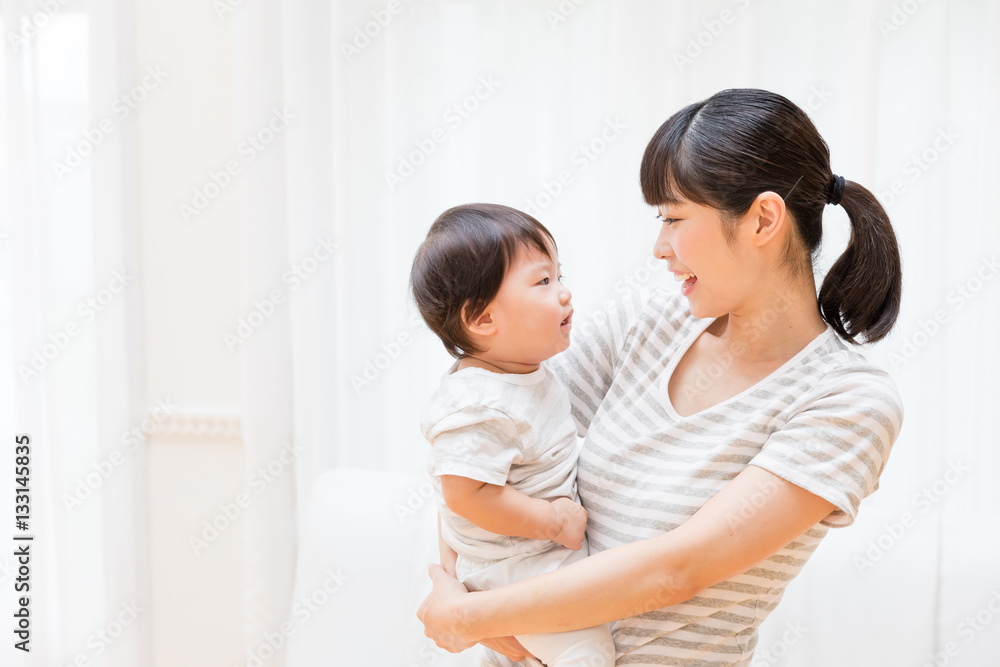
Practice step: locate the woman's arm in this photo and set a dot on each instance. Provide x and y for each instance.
(718, 542)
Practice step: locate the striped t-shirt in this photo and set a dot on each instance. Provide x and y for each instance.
(825, 421)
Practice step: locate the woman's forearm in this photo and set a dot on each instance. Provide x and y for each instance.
(618, 583)
(715, 544)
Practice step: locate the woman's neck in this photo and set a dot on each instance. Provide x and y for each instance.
(776, 325)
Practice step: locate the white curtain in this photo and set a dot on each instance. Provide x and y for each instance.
(69, 333)
(405, 109)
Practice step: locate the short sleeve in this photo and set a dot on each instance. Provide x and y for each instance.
(587, 367)
(837, 446)
(477, 442)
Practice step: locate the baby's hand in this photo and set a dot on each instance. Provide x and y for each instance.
(570, 523)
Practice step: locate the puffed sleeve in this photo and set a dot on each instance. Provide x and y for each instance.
(474, 441)
(837, 445)
(587, 367)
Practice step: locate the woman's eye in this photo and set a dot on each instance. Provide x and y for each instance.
(669, 221)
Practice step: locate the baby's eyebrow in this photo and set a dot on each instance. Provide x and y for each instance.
(543, 265)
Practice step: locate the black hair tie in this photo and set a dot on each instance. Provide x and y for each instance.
(836, 190)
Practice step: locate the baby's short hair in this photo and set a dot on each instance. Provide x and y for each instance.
(462, 263)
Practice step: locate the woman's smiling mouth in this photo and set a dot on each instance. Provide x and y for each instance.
(689, 279)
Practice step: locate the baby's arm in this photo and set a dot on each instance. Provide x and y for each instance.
(506, 511)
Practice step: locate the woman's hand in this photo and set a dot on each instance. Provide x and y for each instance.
(439, 612)
(507, 646)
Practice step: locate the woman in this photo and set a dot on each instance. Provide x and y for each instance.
(727, 428)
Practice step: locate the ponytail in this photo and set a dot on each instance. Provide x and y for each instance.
(862, 290)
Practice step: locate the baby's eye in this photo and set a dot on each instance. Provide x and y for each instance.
(561, 278)
(544, 281)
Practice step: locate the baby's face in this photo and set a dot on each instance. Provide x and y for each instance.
(533, 309)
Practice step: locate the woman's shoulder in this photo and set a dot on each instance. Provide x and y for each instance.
(845, 361)
(843, 370)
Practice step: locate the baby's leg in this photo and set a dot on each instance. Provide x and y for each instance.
(590, 647)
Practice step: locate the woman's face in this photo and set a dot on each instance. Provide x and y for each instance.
(691, 241)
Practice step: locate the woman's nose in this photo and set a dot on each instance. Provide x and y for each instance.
(662, 249)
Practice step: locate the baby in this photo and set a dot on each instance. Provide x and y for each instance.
(503, 459)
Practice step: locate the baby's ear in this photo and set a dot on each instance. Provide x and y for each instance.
(482, 324)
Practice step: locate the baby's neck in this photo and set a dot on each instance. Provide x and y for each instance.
(497, 366)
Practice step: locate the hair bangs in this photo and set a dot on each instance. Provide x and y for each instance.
(665, 174)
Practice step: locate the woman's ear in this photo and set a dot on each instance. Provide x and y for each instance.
(769, 217)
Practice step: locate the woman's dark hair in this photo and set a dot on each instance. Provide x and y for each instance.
(462, 263)
(724, 151)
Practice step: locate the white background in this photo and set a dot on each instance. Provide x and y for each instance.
(884, 82)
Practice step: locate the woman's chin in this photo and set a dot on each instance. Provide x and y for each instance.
(702, 310)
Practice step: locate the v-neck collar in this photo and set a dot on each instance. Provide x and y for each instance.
(696, 331)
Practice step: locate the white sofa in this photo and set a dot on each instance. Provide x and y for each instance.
(884, 592)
